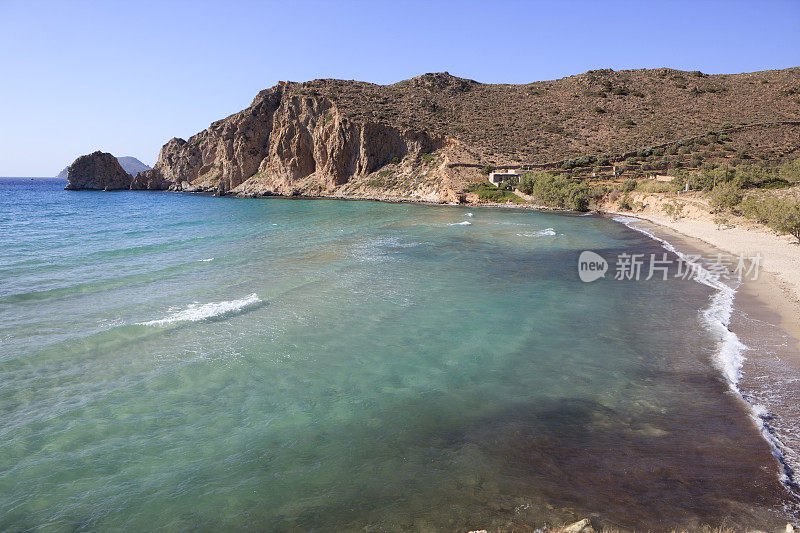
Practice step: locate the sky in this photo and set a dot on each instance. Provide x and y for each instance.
(125, 77)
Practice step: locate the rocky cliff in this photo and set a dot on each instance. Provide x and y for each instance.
(427, 137)
(98, 170)
(286, 142)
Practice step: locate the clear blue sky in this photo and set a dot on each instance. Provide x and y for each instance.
(125, 77)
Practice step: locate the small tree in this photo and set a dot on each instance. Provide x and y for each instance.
(628, 186)
(786, 218)
(790, 171)
(674, 210)
(726, 196)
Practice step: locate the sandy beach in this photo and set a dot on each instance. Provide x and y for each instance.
(778, 283)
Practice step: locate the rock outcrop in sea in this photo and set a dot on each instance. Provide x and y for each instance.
(129, 164)
(100, 171)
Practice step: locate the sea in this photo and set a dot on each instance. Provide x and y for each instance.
(184, 362)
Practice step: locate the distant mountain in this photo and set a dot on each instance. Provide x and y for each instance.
(129, 164)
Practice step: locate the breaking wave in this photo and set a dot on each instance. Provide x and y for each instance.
(196, 312)
(549, 232)
(465, 223)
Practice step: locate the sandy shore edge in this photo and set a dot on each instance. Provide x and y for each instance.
(778, 283)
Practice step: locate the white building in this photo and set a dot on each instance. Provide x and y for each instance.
(498, 177)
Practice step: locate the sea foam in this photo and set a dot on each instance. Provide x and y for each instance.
(196, 312)
(716, 317)
(465, 223)
(549, 232)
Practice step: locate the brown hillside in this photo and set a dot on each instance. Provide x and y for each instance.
(579, 115)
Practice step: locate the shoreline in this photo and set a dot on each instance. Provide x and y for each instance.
(780, 267)
(746, 299)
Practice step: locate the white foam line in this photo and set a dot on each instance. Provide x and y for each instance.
(549, 232)
(465, 223)
(729, 356)
(195, 312)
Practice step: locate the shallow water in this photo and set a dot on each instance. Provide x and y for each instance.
(190, 362)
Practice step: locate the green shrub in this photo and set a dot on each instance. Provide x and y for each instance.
(755, 208)
(579, 162)
(790, 171)
(674, 210)
(488, 192)
(781, 214)
(628, 186)
(773, 183)
(653, 186)
(603, 160)
(786, 217)
(726, 196)
(557, 191)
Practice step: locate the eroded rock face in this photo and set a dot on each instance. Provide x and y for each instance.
(286, 142)
(100, 171)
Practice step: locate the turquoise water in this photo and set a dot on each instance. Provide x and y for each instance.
(184, 362)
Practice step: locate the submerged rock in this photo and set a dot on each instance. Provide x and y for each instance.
(97, 171)
(581, 526)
